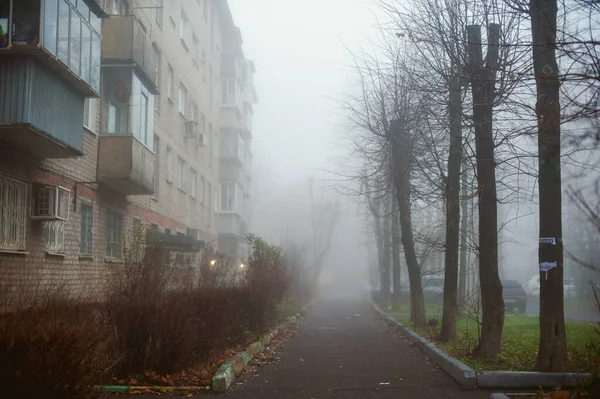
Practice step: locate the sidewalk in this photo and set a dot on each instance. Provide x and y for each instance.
(343, 350)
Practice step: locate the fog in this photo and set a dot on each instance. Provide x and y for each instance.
(301, 58)
(302, 53)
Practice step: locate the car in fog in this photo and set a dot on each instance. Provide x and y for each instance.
(514, 296)
(532, 287)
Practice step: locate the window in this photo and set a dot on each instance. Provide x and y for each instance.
(202, 188)
(86, 229)
(193, 181)
(50, 25)
(75, 43)
(195, 50)
(156, 181)
(71, 32)
(13, 214)
(194, 113)
(114, 233)
(63, 32)
(117, 117)
(90, 114)
(157, 74)
(210, 203)
(227, 196)
(119, 7)
(169, 161)
(142, 113)
(216, 200)
(182, 99)
(170, 82)
(183, 28)
(230, 92)
(54, 236)
(210, 144)
(159, 4)
(172, 10)
(180, 173)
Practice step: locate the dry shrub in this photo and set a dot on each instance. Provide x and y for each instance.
(52, 346)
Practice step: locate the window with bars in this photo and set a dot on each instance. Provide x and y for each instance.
(114, 235)
(13, 214)
(86, 229)
(54, 236)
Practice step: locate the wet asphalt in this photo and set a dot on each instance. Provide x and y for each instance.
(344, 350)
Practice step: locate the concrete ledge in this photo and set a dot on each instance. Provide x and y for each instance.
(235, 365)
(467, 378)
(528, 379)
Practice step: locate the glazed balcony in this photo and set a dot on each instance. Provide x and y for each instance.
(125, 43)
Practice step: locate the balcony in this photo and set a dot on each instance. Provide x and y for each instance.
(232, 147)
(39, 113)
(125, 44)
(125, 165)
(62, 36)
(232, 225)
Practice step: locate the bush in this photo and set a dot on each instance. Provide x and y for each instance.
(171, 316)
(54, 348)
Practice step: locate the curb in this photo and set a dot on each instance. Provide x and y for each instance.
(235, 365)
(468, 378)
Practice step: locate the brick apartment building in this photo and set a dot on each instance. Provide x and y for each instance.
(112, 114)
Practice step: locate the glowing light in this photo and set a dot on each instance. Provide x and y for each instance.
(242, 266)
(213, 262)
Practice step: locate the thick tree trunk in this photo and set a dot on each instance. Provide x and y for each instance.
(396, 269)
(401, 172)
(449, 313)
(483, 88)
(464, 220)
(553, 346)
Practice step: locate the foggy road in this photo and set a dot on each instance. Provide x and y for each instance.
(343, 350)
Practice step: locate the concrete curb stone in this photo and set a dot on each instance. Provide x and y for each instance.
(468, 378)
(234, 366)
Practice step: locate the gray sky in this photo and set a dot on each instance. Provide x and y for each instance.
(298, 48)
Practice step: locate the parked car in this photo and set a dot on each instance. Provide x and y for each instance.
(514, 296)
(433, 284)
(532, 287)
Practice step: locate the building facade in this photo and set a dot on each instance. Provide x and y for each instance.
(110, 117)
(238, 97)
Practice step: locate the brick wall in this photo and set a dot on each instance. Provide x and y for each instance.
(170, 207)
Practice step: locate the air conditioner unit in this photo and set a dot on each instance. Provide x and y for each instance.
(50, 202)
(190, 128)
(200, 140)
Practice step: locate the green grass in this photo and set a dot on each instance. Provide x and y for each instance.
(519, 342)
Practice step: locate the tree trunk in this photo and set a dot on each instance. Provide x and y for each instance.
(448, 332)
(396, 269)
(552, 347)
(401, 172)
(384, 294)
(387, 252)
(462, 275)
(482, 87)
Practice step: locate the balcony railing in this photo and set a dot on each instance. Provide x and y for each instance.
(125, 165)
(124, 43)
